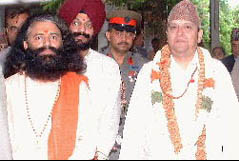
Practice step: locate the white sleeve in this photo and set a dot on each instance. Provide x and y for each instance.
(134, 138)
(86, 133)
(109, 118)
(5, 148)
(223, 127)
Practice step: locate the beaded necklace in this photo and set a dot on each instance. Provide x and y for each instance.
(185, 91)
(38, 134)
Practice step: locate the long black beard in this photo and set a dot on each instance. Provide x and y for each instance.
(46, 67)
(83, 46)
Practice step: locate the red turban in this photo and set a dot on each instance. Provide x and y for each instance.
(95, 9)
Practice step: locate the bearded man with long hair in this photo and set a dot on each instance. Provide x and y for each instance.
(48, 102)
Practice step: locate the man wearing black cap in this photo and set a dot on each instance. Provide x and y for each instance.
(229, 61)
(121, 34)
(85, 19)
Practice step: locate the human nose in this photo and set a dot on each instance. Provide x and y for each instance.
(124, 35)
(81, 28)
(180, 31)
(47, 42)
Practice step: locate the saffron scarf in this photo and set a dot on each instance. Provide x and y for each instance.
(62, 138)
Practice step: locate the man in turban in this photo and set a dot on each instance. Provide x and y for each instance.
(177, 110)
(85, 19)
(5, 148)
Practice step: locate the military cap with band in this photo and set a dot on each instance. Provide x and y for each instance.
(124, 19)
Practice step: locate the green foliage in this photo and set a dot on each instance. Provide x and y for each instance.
(228, 20)
(203, 7)
(130, 4)
(52, 6)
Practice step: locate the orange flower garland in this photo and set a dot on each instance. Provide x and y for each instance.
(201, 148)
(168, 104)
(201, 80)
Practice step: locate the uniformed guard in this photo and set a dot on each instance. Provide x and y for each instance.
(121, 34)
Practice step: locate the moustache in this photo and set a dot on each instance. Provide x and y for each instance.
(123, 43)
(40, 50)
(76, 34)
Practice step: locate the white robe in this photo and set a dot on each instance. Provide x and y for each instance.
(41, 97)
(146, 133)
(104, 81)
(5, 148)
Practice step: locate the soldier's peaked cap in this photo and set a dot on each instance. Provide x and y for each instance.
(127, 17)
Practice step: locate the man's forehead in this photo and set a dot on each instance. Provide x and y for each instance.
(181, 22)
(235, 42)
(17, 19)
(82, 17)
(44, 27)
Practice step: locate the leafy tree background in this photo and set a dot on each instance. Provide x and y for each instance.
(155, 14)
(229, 19)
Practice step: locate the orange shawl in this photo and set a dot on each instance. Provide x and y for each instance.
(62, 138)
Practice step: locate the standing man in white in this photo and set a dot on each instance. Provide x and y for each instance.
(85, 19)
(49, 110)
(5, 148)
(183, 105)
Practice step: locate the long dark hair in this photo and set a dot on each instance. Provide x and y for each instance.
(15, 61)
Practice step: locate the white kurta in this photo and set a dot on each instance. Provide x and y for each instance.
(5, 148)
(41, 97)
(104, 81)
(146, 133)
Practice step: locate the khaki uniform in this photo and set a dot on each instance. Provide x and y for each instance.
(129, 70)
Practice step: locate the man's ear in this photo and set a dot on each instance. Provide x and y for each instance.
(107, 34)
(25, 45)
(200, 35)
(5, 30)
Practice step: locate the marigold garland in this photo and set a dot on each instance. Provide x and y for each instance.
(201, 80)
(168, 104)
(201, 148)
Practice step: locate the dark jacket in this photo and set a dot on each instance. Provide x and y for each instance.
(229, 62)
